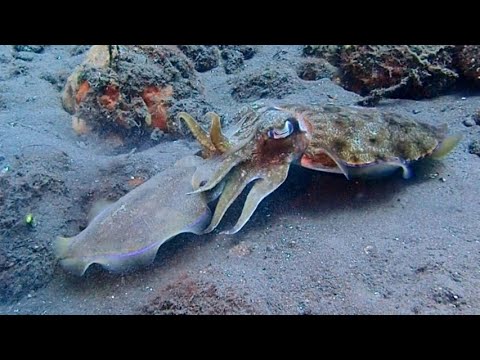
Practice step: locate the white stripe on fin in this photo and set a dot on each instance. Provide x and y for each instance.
(381, 169)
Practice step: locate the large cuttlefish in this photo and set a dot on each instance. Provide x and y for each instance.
(353, 141)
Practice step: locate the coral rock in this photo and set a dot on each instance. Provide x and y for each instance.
(118, 88)
(468, 60)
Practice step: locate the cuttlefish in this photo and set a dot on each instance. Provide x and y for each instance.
(348, 140)
(129, 232)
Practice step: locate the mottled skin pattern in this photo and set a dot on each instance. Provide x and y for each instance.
(360, 136)
(353, 141)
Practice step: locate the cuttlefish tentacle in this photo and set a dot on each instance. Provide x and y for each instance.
(260, 190)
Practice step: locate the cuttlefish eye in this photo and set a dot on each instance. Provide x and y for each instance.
(290, 126)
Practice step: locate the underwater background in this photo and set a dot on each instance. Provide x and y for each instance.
(80, 125)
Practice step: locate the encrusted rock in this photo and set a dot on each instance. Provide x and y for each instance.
(130, 87)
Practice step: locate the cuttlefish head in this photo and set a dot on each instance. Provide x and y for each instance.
(261, 150)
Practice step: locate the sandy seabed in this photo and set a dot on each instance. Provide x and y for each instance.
(319, 245)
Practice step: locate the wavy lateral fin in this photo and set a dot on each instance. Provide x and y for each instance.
(97, 208)
(61, 246)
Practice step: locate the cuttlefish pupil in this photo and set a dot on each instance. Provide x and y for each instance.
(290, 126)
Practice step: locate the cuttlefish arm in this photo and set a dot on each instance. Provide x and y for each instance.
(260, 190)
(263, 155)
(213, 142)
(219, 141)
(208, 148)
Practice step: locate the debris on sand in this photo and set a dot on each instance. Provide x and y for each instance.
(190, 297)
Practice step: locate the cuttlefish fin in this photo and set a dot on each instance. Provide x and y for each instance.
(201, 135)
(125, 262)
(75, 266)
(382, 168)
(219, 140)
(407, 172)
(97, 208)
(260, 190)
(61, 246)
(234, 186)
(309, 164)
(446, 145)
(342, 167)
(115, 263)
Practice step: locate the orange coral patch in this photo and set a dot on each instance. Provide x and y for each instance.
(155, 99)
(82, 91)
(110, 97)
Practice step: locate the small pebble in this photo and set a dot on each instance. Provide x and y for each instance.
(23, 55)
(29, 48)
(469, 122)
(476, 117)
(416, 111)
(474, 147)
(368, 249)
